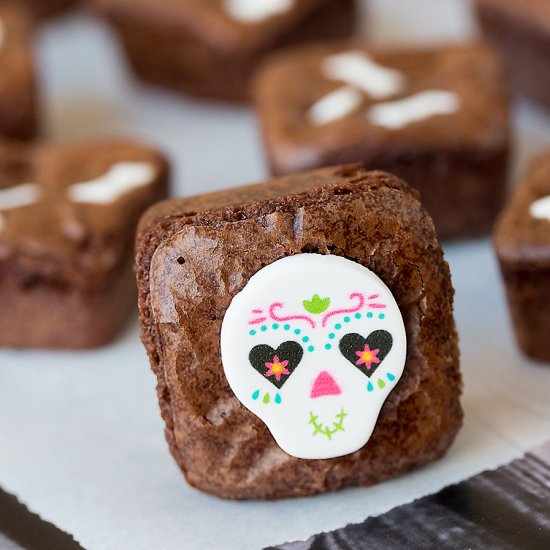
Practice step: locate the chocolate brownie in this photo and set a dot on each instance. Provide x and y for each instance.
(211, 48)
(436, 117)
(197, 258)
(67, 223)
(18, 101)
(522, 242)
(43, 8)
(521, 31)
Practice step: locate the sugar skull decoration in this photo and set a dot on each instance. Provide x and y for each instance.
(313, 345)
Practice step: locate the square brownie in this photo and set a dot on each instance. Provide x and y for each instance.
(211, 48)
(67, 223)
(521, 31)
(436, 117)
(18, 96)
(195, 255)
(522, 243)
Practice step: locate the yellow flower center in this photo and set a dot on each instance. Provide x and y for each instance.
(277, 368)
(367, 356)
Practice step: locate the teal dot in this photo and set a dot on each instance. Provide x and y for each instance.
(370, 315)
(287, 327)
(338, 326)
(358, 316)
(278, 399)
(311, 348)
(256, 394)
(391, 377)
(263, 328)
(275, 326)
(332, 335)
(297, 331)
(370, 387)
(305, 339)
(252, 332)
(347, 319)
(328, 346)
(381, 316)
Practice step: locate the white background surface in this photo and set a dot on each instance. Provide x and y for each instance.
(81, 440)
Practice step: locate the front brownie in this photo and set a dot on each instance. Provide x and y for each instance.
(522, 242)
(521, 30)
(18, 102)
(193, 257)
(67, 223)
(212, 48)
(438, 118)
(43, 8)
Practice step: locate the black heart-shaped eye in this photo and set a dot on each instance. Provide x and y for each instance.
(367, 353)
(276, 365)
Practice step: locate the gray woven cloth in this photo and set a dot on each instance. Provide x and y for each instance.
(507, 508)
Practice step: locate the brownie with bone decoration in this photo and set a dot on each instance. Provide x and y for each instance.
(18, 95)
(522, 242)
(68, 215)
(301, 331)
(521, 31)
(437, 117)
(212, 48)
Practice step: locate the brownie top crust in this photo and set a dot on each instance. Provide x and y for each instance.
(225, 25)
(68, 212)
(529, 14)
(294, 90)
(522, 234)
(194, 255)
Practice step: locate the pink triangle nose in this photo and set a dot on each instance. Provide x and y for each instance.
(324, 385)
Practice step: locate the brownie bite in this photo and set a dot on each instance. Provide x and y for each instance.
(40, 9)
(196, 260)
(436, 117)
(18, 97)
(521, 31)
(67, 223)
(522, 243)
(211, 48)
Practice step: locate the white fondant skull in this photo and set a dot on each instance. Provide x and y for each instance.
(313, 345)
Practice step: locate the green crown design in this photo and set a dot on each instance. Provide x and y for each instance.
(316, 305)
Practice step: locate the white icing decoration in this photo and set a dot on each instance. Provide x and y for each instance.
(254, 11)
(17, 197)
(326, 406)
(335, 105)
(540, 209)
(121, 178)
(421, 106)
(357, 69)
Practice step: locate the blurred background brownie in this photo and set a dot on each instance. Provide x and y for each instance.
(211, 48)
(522, 242)
(18, 96)
(436, 117)
(43, 8)
(67, 222)
(521, 30)
(194, 255)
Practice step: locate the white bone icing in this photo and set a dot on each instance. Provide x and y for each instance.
(335, 105)
(357, 69)
(121, 178)
(254, 11)
(17, 197)
(540, 209)
(398, 114)
(327, 407)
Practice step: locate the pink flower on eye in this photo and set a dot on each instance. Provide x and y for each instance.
(367, 357)
(277, 368)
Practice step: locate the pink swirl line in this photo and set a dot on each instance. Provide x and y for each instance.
(290, 317)
(373, 297)
(377, 306)
(340, 311)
